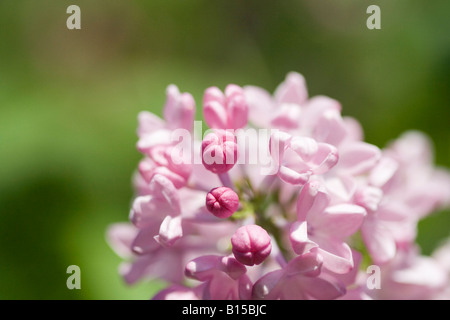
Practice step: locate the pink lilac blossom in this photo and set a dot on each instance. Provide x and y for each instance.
(308, 228)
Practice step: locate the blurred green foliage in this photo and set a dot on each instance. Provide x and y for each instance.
(69, 101)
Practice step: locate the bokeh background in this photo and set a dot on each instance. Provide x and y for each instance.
(69, 101)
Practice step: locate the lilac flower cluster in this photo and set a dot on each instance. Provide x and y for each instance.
(332, 206)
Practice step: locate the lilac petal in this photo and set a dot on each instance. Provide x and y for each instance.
(369, 197)
(154, 138)
(165, 192)
(177, 180)
(383, 172)
(279, 140)
(204, 267)
(144, 243)
(308, 264)
(358, 157)
(424, 271)
(148, 123)
(163, 201)
(326, 158)
(305, 147)
(232, 267)
(120, 237)
(214, 94)
(215, 115)
(351, 278)
(287, 117)
(133, 272)
(341, 221)
(237, 108)
(341, 188)
(268, 286)
(379, 241)
(293, 177)
(245, 288)
(312, 199)
(292, 90)
(172, 95)
(158, 265)
(260, 105)
(179, 109)
(298, 236)
(337, 256)
(330, 128)
(177, 292)
(323, 287)
(170, 231)
(353, 128)
(141, 211)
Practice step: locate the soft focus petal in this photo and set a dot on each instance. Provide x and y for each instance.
(120, 236)
(323, 288)
(358, 157)
(378, 240)
(337, 256)
(298, 236)
(260, 104)
(148, 123)
(292, 90)
(342, 220)
(170, 231)
(177, 292)
(308, 264)
(312, 199)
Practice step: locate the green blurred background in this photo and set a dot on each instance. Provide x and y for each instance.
(69, 101)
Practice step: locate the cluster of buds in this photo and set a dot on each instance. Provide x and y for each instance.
(308, 222)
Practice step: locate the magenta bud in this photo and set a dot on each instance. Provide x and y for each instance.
(222, 202)
(251, 245)
(219, 151)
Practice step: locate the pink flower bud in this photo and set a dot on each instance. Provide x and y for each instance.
(251, 245)
(222, 202)
(219, 151)
(225, 111)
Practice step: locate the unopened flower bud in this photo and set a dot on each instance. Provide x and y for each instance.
(219, 151)
(251, 245)
(222, 202)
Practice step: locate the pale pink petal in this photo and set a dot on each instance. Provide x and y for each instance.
(324, 159)
(292, 90)
(261, 106)
(341, 221)
(268, 286)
(177, 292)
(379, 241)
(215, 115)
(148, 123)
(170, 231)
(383, 171)
(298, 236)
(337, 256)
(308, 264)
(237, 107)
(202, 268)
(330, 128)
(120, 237)
(154, 138)
(287, 116)
(358, 157)
(293, 177)
(179, 110)
(312, 199)
(353, 128)
(143, 242)
(323, 287)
